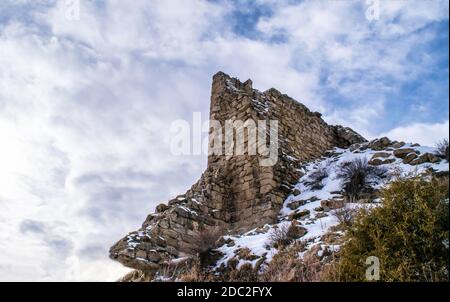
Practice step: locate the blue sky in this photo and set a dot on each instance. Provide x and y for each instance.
(85, 105)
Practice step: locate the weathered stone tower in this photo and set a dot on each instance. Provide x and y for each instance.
(237, 192)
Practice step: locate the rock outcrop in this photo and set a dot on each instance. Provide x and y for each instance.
(236, 192)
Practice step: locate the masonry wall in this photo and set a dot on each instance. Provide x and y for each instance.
(235, 193)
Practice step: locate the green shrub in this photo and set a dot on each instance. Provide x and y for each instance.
(408, 233)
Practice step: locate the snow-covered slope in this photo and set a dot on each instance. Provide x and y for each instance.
(314, 209)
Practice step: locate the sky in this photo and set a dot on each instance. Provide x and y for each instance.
(89, 89)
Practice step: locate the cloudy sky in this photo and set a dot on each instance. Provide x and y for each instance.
(88, 90)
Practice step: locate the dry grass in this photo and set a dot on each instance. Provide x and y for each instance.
(246, 273)
(137, 276)
(286, 266)
(358, 177)
(278, 237)
(315, 178)
(345, 216)
(284, 235)
(442, 149)
(205, 242)
(195, 273)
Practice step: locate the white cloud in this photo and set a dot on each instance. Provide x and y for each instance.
(425, 134)
(85, 153)
(362, 61)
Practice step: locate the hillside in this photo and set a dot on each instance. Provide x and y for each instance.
(316, 212)
(243, 212)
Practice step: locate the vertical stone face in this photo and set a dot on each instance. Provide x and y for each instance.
(236, 192)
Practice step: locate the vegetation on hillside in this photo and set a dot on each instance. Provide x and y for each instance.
(358, 178)
(442, 149)
(408, 233)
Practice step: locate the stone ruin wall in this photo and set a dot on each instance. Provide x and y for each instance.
(235, 193)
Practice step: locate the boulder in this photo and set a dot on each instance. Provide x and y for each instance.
(222, 241)
(299, 214)
(347, 135)
(381, 154)
(263, 229)
(381, 158)
(161, 208)
(293, 205)
(321, 215)
(378, 161)
(419, 161)
(173, 202)
(295, 231)
(425, 158)
(330, 204)
(375, 162)
(398, 145)
(388, 161)
(296, 192)
(401, 153)
(379, 144)
(409, 157)
(433, 158)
